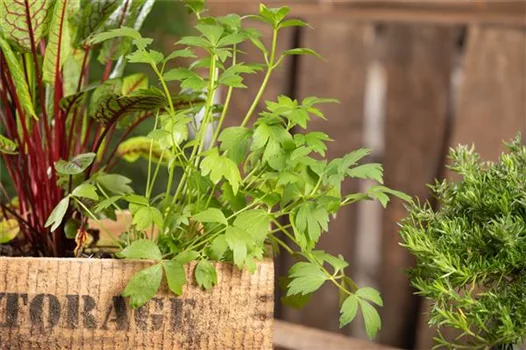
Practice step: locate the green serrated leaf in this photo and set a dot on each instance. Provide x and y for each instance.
(115, 183)
(205, 274)
(302, 51)
(370, 294)
(187, 256)
(115, 33)
(175, 276)
(55, 218)
(236, 239)
(86, 190)
(218, 248)
(144, 285)
(371, 171)
(372, 320)
(255, 222)
(142, 249)
(235, 142)
(211, 215)
(219, 166)
(348, 310)
(306, 278)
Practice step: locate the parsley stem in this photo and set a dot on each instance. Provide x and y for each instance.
(227, 103)
(265, 80)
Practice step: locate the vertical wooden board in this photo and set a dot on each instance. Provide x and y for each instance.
(492, 104)
(345, 46)
(418, 63)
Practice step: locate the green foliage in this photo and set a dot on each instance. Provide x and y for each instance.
(238, 185)
(470, 251)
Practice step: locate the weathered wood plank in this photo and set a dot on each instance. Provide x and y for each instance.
(345, 46)
(437, 12)
(492, 103)
(418, 63)
(76, 304)
(294, 337)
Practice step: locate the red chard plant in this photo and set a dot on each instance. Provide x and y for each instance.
(56, 123)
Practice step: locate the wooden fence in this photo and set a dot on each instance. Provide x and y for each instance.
(413, 78)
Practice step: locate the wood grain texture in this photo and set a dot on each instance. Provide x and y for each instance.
(294, 337)
(418, 63)
(446, 12)
(492, 103)
(74, 304)
(345, 46)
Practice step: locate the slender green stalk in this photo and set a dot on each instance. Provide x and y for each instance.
(270, 69)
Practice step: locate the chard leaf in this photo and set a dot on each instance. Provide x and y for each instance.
(76, 165)
(14, 23)
(9, 229)
(92, 17)
(22, 90)
(134, 82)
(7, 146)
(139, 147)
(58, 44)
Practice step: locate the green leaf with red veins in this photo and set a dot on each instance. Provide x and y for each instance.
(112, 106)
(23, 21)
(133, 83)
(58, 45)
(21, 88)
(93, 16)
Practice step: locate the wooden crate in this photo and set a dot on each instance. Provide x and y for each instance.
(52, 304)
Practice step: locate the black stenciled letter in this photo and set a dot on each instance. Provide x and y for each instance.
(158, 317)
(36, 309)
(90, 321)
(12, 309)
(121, 315)
(72, 307)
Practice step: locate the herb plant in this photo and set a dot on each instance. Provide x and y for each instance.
(244, 186)
(471, 252)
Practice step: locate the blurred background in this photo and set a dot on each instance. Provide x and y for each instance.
(414, 78)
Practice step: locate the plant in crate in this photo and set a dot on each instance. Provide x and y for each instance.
(57, 117)
(470, 252)
(242, 188)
